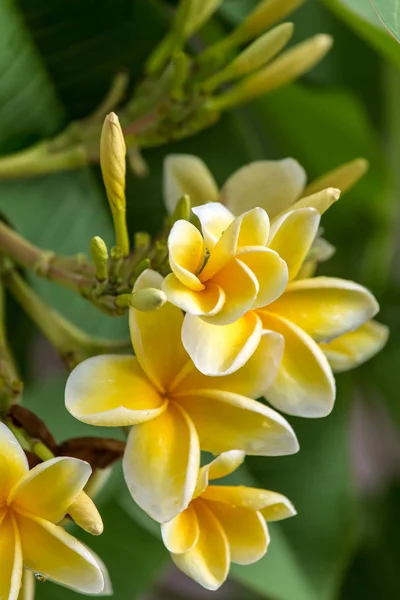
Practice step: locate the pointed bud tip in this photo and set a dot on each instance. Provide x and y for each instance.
(334, 192)
(112, 118)
(323, 40)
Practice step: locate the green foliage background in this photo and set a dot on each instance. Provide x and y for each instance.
(56, 62)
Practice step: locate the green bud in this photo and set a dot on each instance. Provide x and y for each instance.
(182, 209)
(99, 254)
(148, 299)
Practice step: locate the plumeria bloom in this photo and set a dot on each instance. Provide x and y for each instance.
(226, 272)
(32, 502)
(222, 524)
(173, 409)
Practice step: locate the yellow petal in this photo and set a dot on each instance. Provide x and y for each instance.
(292, 236)
(112, 391)
(269, 269)
(156, 336)
(356, 347)
(304, 386)
(246, 532)
(221, 349)
(27, 591)
(272, 185)
(273, 506)
(161, 464)
(226, 421)
(207, 302)
(253, 228)
(187, 253)
(13, 463)
(343, 177)
(209, 560)
(85, 514)
(10, 559)
(48, 489)
(187, 174)
(215, 218)
(251, 380)
(57, 555)
(326, 307)
(321, 201)
(223, 465)
(182, 533)
(240, 287)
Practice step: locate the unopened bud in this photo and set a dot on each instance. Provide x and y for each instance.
(200, 13)
(254, 56)
(265, 14)
(344, 177)
(148, 299)
(85, 514)
(112, 161)
(99, 254)
(182, 209)
(289, 66)
(321, 201)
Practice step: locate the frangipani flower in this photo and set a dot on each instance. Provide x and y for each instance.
(240, 273)
(32, 502)
(173, 409)
(222, 524)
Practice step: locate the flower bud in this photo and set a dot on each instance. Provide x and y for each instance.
(182, 209)
(85, 514)
(148, 299)
(113, 163)
(200, 13)
(265, 14)
(289, 66)
(99, 254)
(344, 177)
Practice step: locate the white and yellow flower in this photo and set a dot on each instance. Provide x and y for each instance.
(32, 502)
(174, 410)
(222, 524)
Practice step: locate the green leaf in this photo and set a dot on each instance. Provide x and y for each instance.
(318, 480)
(363, 19)
(389, 12)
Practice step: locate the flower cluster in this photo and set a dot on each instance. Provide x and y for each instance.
(242, 318)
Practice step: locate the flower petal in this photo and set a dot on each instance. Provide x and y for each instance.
(269, 269)
(209, 560)
(49, 489)
(207, 302)
(226, 421)
(112, 391)
(215, 218)
(223, 465)
(321, 201)
(246, 531)
(13, 463)
(10, 559)
(156, 336)
(273, 506)
(254, 228)
(326, 307)
(240, 287)
(161, 464)
(187, 253)
(182, 533)
(221, 349)
(27, 591)
(187, 174)
(292, 236)
(273, 185)
(57, 555)
(251, 380)
(356, 347)
(304, 386)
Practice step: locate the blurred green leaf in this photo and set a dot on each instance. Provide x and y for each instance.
(318, 480)
(363, 19)
(389, 12)
(323, 129)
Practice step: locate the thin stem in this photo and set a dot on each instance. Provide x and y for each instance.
(10, 384)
